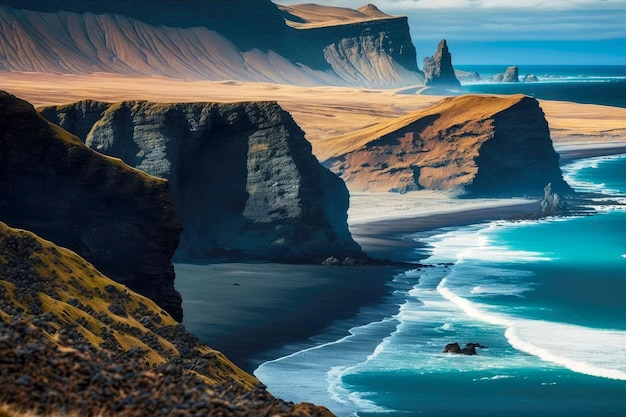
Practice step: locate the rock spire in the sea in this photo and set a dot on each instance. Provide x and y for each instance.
(116, 217)
(244, 180)
(552, 203)
(438, 69)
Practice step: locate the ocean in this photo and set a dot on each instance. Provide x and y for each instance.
(547, 298)
(591, 84)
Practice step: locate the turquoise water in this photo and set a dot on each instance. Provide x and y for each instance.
(547, 297)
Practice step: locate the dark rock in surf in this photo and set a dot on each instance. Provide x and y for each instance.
(469, 349)
(438, 69)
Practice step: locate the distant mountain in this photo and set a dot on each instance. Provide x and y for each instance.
(243, 177)
(246, 40)
(475, 145)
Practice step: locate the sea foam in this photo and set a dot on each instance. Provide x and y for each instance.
(595, 352)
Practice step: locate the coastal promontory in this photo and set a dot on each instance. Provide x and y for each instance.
(472, 145)
(242, 175)
(116, 217)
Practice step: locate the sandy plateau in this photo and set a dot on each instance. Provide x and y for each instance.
(328, 112)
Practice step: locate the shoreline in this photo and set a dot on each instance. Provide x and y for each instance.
(253, 312)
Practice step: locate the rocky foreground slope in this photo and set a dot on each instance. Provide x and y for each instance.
(116, 217)
(248, 40)
(474, 145)
(243, 177)
(73, 342)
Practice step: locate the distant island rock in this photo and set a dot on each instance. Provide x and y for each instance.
(438, 69)
(466, 76)
(299, 45)
(511, 75)
(243, 177)
(116, 217)
(473, 145)
(530, 78)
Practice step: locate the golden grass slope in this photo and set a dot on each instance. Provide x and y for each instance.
(39, 280)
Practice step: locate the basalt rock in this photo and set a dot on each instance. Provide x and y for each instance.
(243, 177)
(552, 204)
(116, 217)
(438, 69)
(469, 349)
(472, 145)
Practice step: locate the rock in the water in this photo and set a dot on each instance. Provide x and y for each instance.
(469, 349)
(476, 145)
(116, 217)
(511, 75)
(530, 78)
(438, 69)
(243, 177)
(552, 204)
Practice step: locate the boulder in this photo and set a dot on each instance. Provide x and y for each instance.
(469, 349)
(511, 75)
(530, 78)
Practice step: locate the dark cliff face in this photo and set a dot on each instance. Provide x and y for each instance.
(375, 52)
(118, 218)
(243, 177)
(438, 69)
(200, 39)
(475, 145)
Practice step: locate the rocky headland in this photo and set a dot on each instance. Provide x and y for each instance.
(74, 342)
(471, 145)
(243, 178)
(116, 217)
(198, 41)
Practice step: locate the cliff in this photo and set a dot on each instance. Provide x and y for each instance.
(246, 40)
(74, 342)
(474, 145)
(243, 178)
(114, 216)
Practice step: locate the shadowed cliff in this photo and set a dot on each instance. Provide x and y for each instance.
(116, 217)
(246, 40)
(474, 145)
(74, 342)
(243, 177)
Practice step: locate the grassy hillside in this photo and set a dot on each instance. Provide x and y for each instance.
(73, 340)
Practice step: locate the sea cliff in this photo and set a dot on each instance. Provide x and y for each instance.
(243, 178)
(116, 217)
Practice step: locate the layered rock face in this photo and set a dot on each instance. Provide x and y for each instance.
(474, 145)
(247, 40)
(364, 46)
(243, 177)
(438, 69)
(116, 217)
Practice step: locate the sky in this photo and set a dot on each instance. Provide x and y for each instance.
(511, 32)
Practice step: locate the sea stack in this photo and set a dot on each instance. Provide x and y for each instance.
(243, 177)
(438, 69)
(114, 216)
